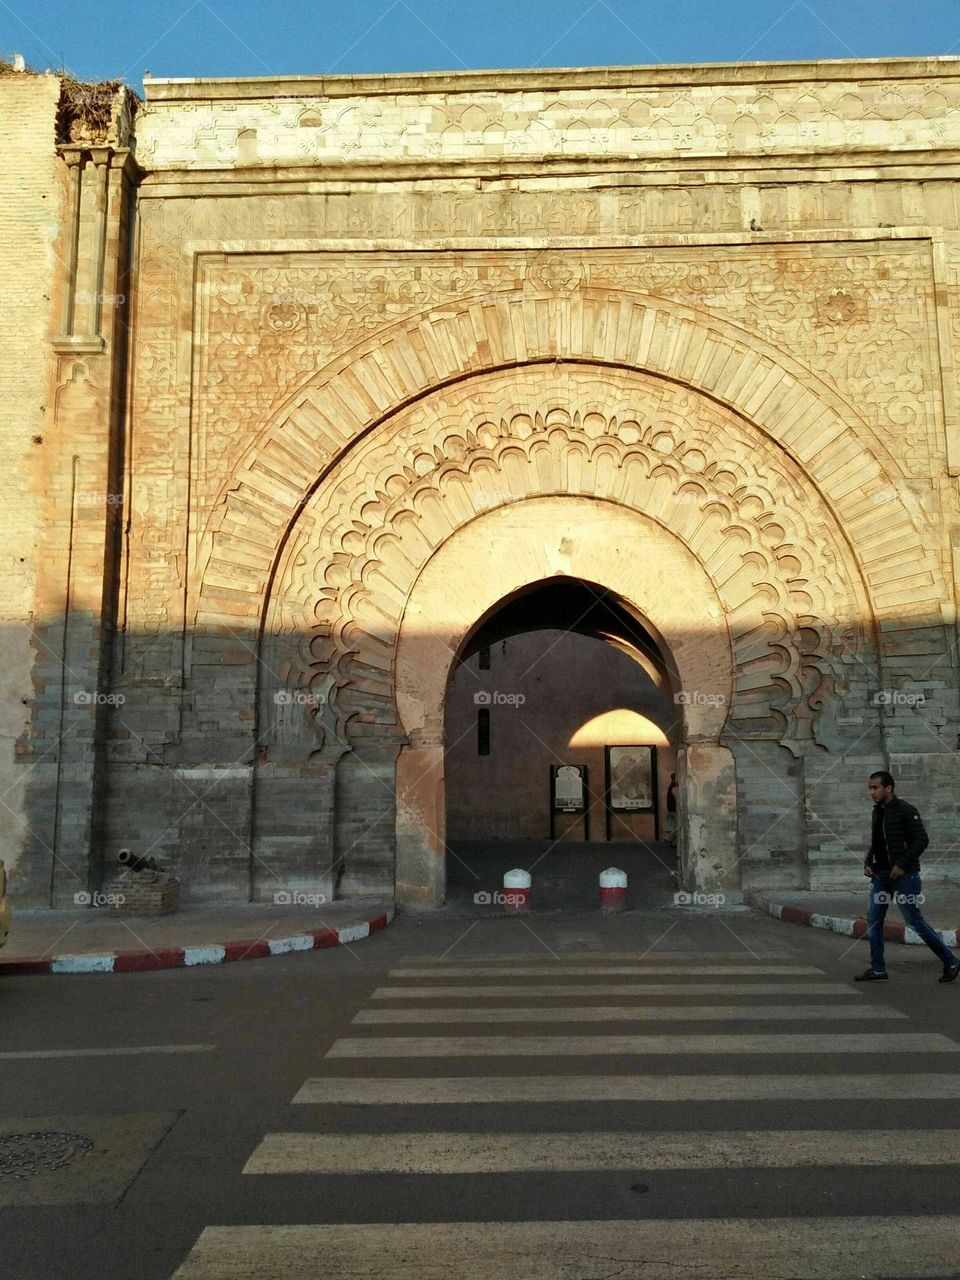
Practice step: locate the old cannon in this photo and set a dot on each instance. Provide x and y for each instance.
(133, 862)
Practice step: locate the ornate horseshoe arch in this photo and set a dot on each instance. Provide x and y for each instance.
(651, 572)
(302, 444)
(778, 581)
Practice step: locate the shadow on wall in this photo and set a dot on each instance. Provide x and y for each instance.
(705, 479)
(251, 778)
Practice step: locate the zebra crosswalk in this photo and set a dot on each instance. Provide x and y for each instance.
(556, 1052)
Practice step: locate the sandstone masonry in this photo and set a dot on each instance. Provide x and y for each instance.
(328, 369)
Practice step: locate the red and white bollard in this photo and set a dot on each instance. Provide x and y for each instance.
(516, 890)
(613, 890)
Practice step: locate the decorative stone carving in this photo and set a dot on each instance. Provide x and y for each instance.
(626, 121)
(813, 425)
(758, 526)
(284, 315)
(840, 307)
(557, 271)
(268, 329)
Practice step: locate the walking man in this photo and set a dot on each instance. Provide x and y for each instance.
(898, 838)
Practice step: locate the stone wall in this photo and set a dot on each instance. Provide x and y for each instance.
(374, 314)
(32, 184)
(931, 781)
(728, 229)
(70, 193)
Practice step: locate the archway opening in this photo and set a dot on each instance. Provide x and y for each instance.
(561, 732)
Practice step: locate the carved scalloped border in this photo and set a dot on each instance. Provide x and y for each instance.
(784, 577)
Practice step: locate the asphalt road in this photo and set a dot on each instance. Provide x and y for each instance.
(667, 1122)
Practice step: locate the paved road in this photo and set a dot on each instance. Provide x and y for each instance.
(661, 1094)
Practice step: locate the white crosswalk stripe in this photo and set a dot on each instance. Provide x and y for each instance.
(823, 1248)
(650, 968)
(755, 990)
(639, 1013)
(419, 1091)
(662, 953)
(621, 989)
(607, 1045)
(580, 1152)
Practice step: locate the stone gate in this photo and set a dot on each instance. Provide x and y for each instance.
(396, 350)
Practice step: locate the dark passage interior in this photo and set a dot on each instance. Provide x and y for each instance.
(559, 676)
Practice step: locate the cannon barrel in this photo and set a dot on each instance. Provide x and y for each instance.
(133, 862)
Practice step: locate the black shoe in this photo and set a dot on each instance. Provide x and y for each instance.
(950, 972)
(871, 975)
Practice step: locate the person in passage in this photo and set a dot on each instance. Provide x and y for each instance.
(671, 823)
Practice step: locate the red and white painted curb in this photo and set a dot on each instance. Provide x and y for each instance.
(186, 957)
(893, 931)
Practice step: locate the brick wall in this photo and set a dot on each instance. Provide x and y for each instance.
(31, 204)
(931, 781)
(838, 808)
(772, 828)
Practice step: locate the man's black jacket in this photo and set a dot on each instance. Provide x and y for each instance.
(898, 837)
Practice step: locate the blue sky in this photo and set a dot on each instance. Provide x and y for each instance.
(303, 37)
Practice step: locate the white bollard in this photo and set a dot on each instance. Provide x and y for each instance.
(516, 890)
(613, 890)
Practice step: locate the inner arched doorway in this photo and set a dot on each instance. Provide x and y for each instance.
(562, 722)
(550, 549)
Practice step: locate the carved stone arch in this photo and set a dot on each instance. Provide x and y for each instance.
(765, 537)
(304, 442)
(783, 585)
(569, 536)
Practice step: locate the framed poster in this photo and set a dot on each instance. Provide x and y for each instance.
(568, 788)
(631, 778)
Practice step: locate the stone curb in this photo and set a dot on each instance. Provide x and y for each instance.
(851, 927)
(187, 957)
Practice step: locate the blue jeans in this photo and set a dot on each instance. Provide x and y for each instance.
(906, 893)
